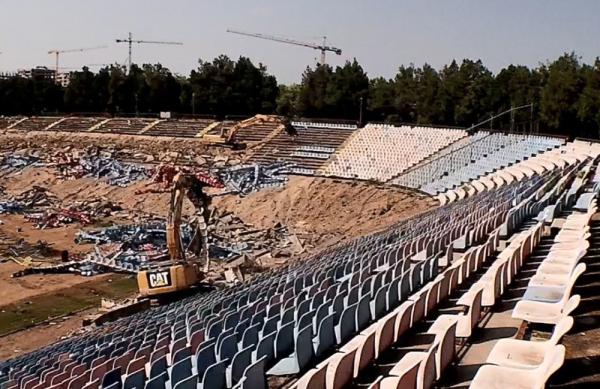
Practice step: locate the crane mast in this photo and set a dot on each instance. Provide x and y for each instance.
(130, 41)
(323, 48)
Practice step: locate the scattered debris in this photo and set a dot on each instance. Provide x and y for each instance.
(100, 166)
(245, 179)
(54, 219)
(12, 162)
(35, 198)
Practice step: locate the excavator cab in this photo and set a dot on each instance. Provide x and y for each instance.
(181, 272)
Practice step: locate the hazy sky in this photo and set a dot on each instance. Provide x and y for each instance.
(381, 34)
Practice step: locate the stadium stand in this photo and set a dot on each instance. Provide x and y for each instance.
(549, 161)
(7, 121)
(333, 318)
(76, 124)
(380, 152)
(128, 126)
(34, 123)
(221, 127)
(311, 146)
(256, 132)
(485, 153)
(185, 128)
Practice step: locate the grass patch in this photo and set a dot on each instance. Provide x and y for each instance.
(32, 311)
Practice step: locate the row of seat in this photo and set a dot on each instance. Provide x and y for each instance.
(192, 324)
(485, 153)
(309, 148)
(380, 152)
(569, 154)
(275, 313)
(547, 300)
(420, 369)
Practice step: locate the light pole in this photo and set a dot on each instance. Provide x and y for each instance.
(360, 113)
(193, 103)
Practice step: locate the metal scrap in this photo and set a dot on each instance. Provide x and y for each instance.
(33, 199)
(99, 166)
(12, 162)
(245, 179)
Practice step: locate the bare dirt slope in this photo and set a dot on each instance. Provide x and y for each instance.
(325, 209)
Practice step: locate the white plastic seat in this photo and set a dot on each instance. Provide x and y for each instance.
(554, 293)
(545, 313)
(493, 376)
(527, 354)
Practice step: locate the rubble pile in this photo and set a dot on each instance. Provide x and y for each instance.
(83, 212)
(245, 179)
(57, 218)
(130, 236)
(12, 162)
(25, 253)
(131, 248)
(40, 207)
(102, 165)
(35, 198)
(229, 237)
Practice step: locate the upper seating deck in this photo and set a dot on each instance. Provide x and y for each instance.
(184, 128)
(309, 148)
(128, 126)
(35, 123)
(380, 152)
(77, 124)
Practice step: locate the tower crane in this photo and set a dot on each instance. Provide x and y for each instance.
(130, 41)
(323, 47)
(57, 53)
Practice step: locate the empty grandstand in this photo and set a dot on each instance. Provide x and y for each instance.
(310, 147)
(389, 309)
(184, 128)
(127, 126)
(76, 124)
(380, 152)
(484, 153)
(34, 123)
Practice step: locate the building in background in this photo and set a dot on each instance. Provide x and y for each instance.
(37, 72)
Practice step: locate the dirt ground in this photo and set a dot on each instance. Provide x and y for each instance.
(33, 338)
(326, 211)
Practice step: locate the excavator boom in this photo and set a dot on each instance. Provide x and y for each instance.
(181, 274)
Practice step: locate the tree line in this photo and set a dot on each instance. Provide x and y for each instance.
(564, 93)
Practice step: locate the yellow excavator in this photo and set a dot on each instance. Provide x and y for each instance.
(226, 135)
(181, 272)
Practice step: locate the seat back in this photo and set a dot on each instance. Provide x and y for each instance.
(561, 328)
(571, 305)
(579, 269)
(550, 364)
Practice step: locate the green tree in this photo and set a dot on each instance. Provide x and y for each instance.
(588, 105)
(312, 98)
(287, 100)
(381, 99)
(429, 106)
(560, 95)
(405, 94)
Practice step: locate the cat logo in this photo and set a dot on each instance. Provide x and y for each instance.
(159, 279)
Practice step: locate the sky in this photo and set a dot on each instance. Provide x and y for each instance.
(380, 34)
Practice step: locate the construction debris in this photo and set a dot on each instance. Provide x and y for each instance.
(10, 163)
(100, 166)
(132, 248)
(245, 179)
(33, 199)
(57, 218)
